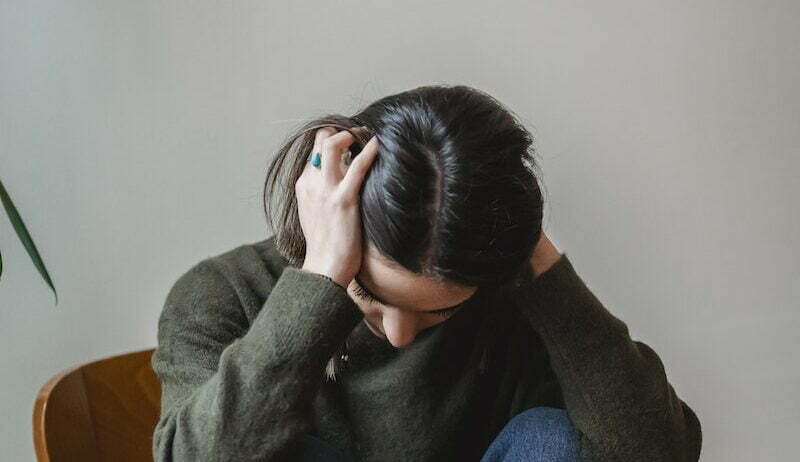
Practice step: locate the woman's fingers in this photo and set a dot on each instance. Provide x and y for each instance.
(333, 147)
(351, 184)
(319, 135)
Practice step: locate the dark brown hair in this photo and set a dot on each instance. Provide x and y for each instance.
(451, 195)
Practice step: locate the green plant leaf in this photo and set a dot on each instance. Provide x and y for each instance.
(25, 237)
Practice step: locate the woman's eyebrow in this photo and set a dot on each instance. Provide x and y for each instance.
(403, 309)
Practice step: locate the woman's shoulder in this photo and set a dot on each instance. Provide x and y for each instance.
(255, 265)
(251, 257)
(242, 276)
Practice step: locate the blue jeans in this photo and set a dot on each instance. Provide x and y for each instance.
(540, 434)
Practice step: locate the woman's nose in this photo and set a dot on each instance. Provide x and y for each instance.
(399, 331)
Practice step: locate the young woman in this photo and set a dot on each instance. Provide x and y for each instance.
(407, 307)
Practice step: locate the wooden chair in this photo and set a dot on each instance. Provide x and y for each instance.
(104, 410)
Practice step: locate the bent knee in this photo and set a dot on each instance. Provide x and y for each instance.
(543, 421)
(540, 433)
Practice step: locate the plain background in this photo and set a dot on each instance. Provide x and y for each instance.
(134, 138)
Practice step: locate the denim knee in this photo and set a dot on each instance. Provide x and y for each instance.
(540, 434)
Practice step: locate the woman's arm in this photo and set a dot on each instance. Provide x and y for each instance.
(233, 391)
(615, 389)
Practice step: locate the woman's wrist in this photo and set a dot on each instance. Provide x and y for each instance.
(324, 274)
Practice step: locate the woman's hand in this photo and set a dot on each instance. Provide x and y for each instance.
(544, 255)
(328, 205)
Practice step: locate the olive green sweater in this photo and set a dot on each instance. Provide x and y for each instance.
(244, 339)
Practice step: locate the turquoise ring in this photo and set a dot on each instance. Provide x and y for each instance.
(316, 160)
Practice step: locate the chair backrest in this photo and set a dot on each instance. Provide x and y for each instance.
(104, 410)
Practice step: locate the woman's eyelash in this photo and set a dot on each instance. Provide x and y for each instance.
(366, 296)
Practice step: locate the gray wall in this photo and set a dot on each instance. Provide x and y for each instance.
(134, 138)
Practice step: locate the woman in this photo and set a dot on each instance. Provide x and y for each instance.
(407, 307)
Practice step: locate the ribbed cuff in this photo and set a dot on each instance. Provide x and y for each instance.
(328, 278)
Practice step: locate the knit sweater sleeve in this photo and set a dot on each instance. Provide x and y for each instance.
(615, 389)
(231, 390)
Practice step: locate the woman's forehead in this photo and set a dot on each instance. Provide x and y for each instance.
(400, 287)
